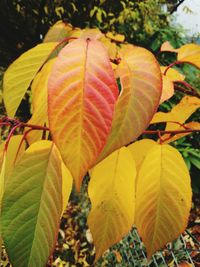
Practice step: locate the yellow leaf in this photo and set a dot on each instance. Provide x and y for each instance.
(190, 53)
(58, 32)
(191, 125)
(110, 46)
(116, 37)
(67, 182)
(12, 152)
(94, 34)
(139, 149)
(172, 74)
(167, 89)
(179, 113)
(166, 46)
(2, 179)
(39, 101)
(20, 74)
(112, 194)
(163, 197)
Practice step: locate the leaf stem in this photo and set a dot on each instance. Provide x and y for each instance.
(186, 91)
(171, 132)
(171, 65)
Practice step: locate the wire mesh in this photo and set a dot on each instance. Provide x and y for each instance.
(130, 252)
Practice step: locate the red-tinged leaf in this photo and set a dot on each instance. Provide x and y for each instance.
(82, 94)
(141, 82)
(167, 47)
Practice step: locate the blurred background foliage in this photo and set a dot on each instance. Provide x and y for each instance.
(23, 23)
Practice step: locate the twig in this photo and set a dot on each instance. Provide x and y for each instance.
(171, 132)
(171, 65)
(174, 9)
(185, 91)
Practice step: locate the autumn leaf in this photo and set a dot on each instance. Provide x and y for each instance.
(20, 74)
(67, 182)
(14, 152)
(39, 90)
(110, 46)
(139, 150)
(163, 197)
(139, 97)
(179, 113)
(167, 47)
(32, 205)
(167, 89)
(116, 37)
(171, 76)
(58, 32)
(112, 195)
(82, 94)
(189, 53)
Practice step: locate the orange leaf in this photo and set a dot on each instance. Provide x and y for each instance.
(166, 46)
(82, 94)
(140, 78)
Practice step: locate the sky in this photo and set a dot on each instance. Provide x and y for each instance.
(190, 22)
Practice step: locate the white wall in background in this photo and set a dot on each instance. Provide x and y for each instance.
(190, 22)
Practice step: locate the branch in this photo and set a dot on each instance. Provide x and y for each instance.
(171, 65)
(171, 132)
(185, 91)
(174, 9)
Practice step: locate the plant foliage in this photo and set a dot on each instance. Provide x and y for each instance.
(93, 94)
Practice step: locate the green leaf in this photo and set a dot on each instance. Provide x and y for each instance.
(32, 206)
(195, 161)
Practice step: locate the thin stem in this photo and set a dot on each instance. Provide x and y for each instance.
(21, 142)
(10, 135)
(171, 132)
(4, 124)
(35, 127)
(171, 65)
(186, 91)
